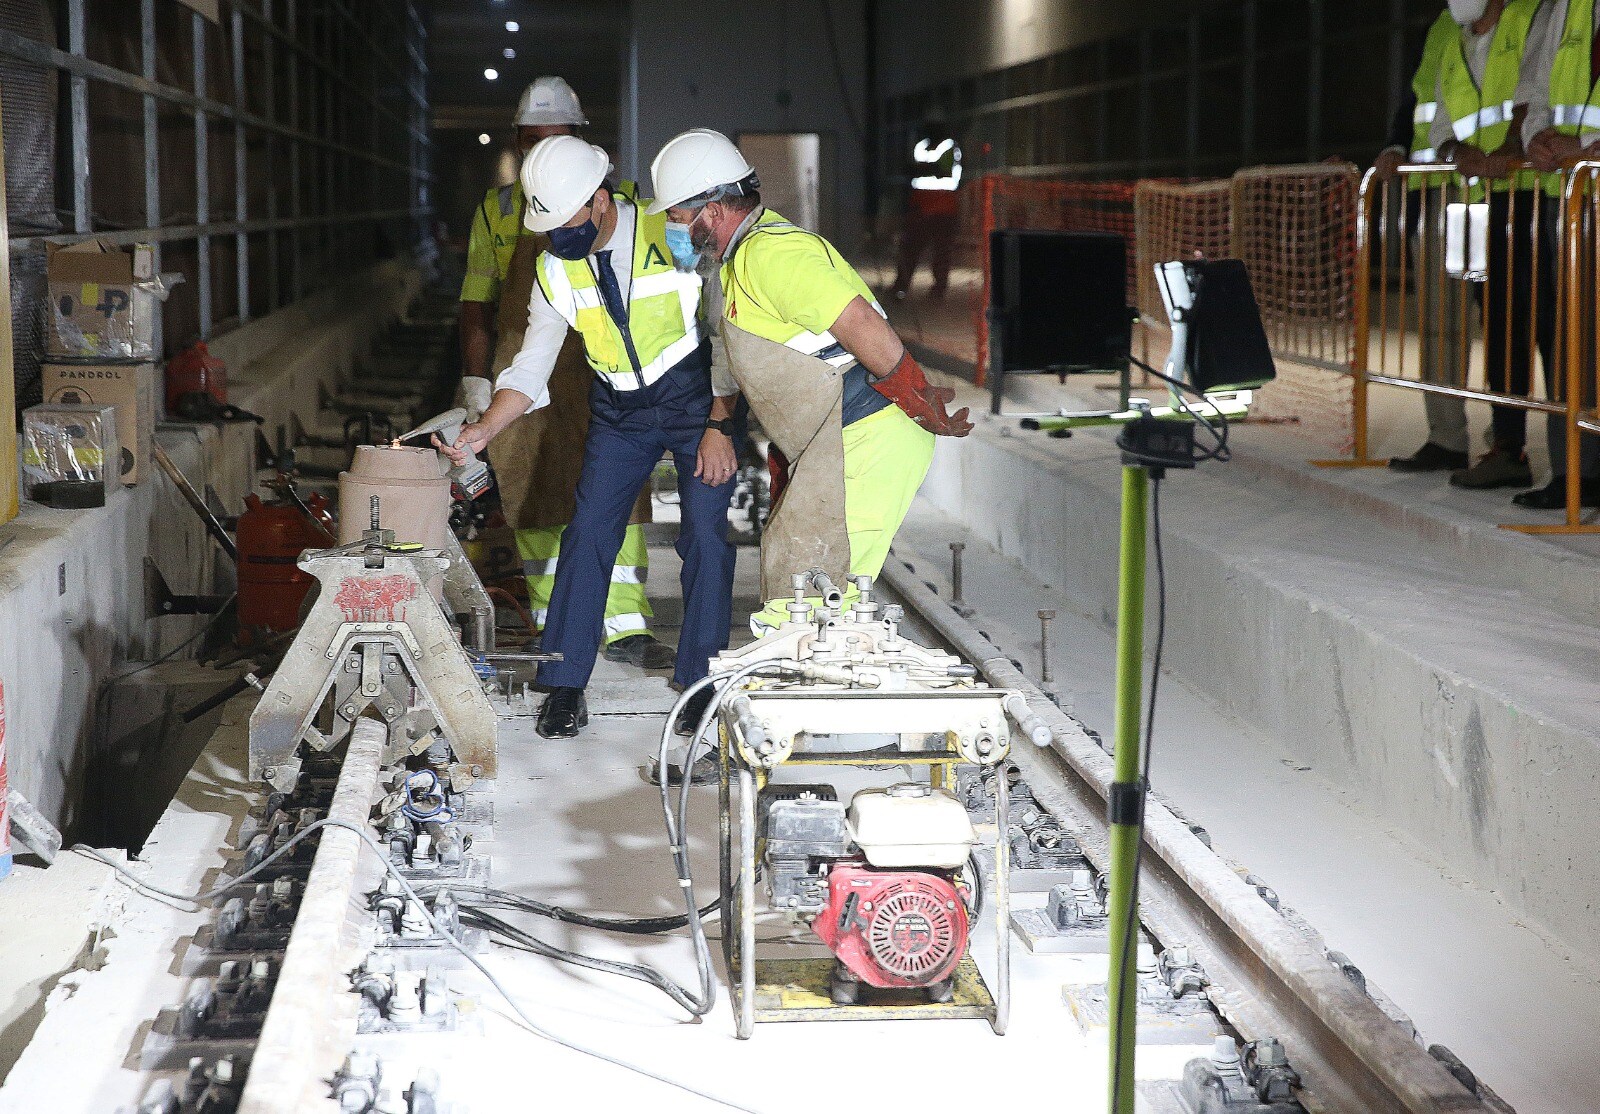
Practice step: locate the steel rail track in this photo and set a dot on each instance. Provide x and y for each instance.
(1268, 980)
(310, 1023)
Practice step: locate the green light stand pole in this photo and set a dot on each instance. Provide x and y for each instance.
(1125, 808)
(1126, 802)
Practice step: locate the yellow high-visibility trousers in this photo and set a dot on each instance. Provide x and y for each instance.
(627, 609)
(886, 458)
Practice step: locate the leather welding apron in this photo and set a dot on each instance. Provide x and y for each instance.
(799, 401)
(537, 458)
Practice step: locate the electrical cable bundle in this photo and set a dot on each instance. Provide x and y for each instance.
(1217, 429)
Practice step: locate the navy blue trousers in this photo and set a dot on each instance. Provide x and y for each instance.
(629, 431)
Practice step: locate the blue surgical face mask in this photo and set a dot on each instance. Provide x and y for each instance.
(575, 242)
(680, 243)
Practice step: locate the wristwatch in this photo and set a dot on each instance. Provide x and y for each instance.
(721, 425)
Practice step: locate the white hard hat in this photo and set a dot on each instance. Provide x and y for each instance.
(692, 163)
(559, 176)
(549, 101)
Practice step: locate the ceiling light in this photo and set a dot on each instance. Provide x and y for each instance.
(513, 26)
(491, 74)
(509, 53)
(483, 138)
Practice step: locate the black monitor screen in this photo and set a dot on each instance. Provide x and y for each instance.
(1228, 347)
(1059, 300)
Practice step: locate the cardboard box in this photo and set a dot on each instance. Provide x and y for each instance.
(103, 301)
(131, 388)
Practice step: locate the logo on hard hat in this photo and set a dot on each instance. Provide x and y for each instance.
(537, 205)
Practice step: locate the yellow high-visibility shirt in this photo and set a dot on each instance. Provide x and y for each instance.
(789, 285)
(495, 227)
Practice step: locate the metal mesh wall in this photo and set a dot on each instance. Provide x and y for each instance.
(266, 155)
(30, 148)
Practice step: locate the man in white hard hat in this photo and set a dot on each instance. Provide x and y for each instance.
(823, 371)
(609, 276)
(536, 462)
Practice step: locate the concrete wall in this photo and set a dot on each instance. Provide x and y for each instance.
(759, 66)
(1443, 704)
(71, 582)
(925, 42)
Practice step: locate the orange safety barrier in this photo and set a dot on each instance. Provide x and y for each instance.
(1416, 325)
(1579, 331)
(1007, 202)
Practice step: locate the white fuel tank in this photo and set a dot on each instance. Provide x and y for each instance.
(911, 825)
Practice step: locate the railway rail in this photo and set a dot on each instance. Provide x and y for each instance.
(1268, 978)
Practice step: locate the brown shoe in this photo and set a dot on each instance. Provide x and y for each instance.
(1498, 467)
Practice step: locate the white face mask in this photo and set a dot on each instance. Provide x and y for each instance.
(1467, 12)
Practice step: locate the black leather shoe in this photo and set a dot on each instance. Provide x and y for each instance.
(689, 719)
(1430, 458)
(642, 650)
(562, 714)
(1553, 496)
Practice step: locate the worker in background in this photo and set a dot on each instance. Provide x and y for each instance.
(930, 221)
(1439, 300)
(608, 274)
(1562, 127)
(536, 462)
(1484, 88)
(824, 373)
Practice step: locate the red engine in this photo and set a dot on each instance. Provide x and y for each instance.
(893, 928)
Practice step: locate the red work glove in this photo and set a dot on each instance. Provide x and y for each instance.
(923, 403)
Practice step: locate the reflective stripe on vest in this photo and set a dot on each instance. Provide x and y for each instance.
(1482, 120)
(1482, 115)
(945, 156)
(1443, 36)
(663, 304)
(1572, 85)
(821, 345)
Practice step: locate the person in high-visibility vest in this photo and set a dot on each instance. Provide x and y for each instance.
(1562, 127)
(1438, 301)
(825, 375)
(930, 220)
(1484, 88)
(609, 275)
(536, 463)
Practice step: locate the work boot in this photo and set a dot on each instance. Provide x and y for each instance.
(642, 650)
(689, 719)
(563, 713)
(703, 771)
(1432, 457)
(1499, 467)
(1553, 496)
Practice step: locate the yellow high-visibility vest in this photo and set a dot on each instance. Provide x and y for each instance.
(1572, 86)
(1482, 117)
(663, 306)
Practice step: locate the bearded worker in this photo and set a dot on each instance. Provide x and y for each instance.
(824, 373)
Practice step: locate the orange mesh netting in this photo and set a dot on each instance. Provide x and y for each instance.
(1177, 222)
(1295, 229)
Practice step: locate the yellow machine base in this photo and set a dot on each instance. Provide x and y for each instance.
(797, 990)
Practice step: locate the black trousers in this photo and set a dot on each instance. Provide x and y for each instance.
(1518, 311)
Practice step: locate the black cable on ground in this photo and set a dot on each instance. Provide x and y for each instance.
(520, 938)
(505, 899)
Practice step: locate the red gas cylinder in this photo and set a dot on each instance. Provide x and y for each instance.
(271, 537)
